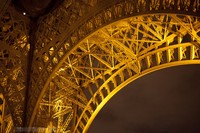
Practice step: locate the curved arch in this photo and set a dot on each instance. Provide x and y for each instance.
(119, 79)
(116, 90)
(130, 46)
(70, 27)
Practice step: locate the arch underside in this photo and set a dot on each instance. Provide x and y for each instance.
(110, 58)
(62, 29)
(77, 55)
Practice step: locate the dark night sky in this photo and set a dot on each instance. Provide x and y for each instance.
(165, 101)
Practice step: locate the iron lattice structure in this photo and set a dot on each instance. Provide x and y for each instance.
(59, 75)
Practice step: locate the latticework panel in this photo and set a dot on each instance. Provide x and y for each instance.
(110, 58)
(14, 50)
(61, 30)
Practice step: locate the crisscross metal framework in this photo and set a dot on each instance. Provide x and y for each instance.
(85, 52)
(107, 60)
(14, 49)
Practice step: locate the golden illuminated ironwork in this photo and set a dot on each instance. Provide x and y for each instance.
(110, 58)
(86, 51)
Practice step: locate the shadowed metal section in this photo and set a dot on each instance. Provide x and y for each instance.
(14, 48)
(3, 6)
(36, 8)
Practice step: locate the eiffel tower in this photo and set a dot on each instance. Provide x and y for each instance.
(61, 61)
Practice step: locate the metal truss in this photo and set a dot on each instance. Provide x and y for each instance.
(110, 58)
(14, 48)
(85, 52)
(61, 30)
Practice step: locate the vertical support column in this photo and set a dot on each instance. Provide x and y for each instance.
(32, 41)
(180, 53)
(192, 52)
(168, 52)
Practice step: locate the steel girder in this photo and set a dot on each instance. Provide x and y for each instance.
(107, 60)
(78, 56)
(61, 30)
